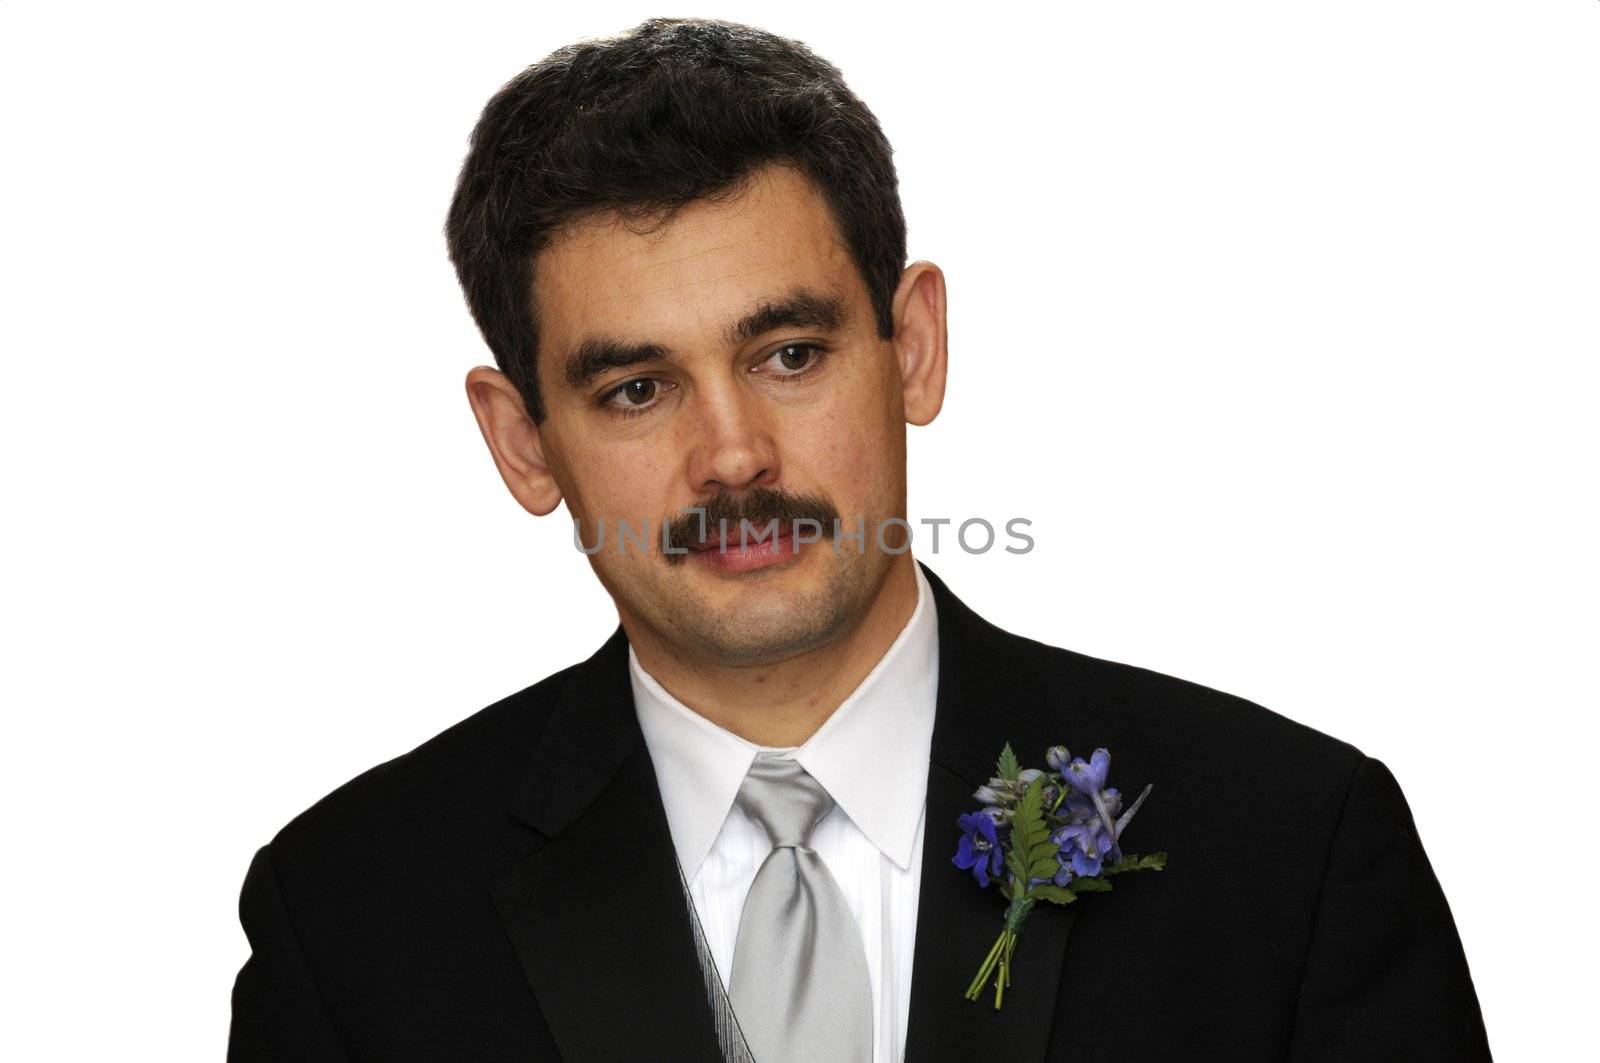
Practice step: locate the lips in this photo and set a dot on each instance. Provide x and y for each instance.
(754, 554)
(714, 543)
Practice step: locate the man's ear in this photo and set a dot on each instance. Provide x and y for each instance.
(920, 340)
(513, 439)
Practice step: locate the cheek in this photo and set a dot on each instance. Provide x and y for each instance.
(613, 483)
(852, 445)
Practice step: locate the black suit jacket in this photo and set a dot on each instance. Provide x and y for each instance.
(508, 891)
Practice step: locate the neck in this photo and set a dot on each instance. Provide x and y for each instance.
(783, 703)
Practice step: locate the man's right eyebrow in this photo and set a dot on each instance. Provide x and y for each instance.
(600, 354)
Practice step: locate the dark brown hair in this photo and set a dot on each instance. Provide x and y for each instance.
(672, 111)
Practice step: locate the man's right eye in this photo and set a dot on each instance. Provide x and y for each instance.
(634, 396)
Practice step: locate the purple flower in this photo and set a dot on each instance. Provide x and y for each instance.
(1089, 779)
(979, 848)
(1085, 848)
(1079, 808)
(998, 791)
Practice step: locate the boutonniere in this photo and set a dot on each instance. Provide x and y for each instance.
(1045, 835)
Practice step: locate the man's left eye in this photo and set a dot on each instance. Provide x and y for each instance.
(794, 359)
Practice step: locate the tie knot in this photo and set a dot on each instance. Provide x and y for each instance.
(781, 796)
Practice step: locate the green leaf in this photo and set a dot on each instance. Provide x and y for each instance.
(1007, 767)
(1089, 885)
(1049, 891)
(1017, 862)
(1150, 862)
(1030, 834)
(1028, 827)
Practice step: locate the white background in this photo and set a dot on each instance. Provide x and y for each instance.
(1277, 319)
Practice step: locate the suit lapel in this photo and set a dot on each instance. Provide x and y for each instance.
(597, 915)
(956, 921)
(598, 918)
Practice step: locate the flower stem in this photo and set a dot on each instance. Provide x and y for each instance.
(1000, 955)
(1004, 978)
(987, 968)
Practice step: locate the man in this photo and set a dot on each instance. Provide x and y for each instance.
(728, 834)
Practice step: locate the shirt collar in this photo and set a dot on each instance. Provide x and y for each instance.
(871, 754)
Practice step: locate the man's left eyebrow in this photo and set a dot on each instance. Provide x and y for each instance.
(800, 308)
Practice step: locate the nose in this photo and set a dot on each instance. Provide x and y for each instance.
(733, 446)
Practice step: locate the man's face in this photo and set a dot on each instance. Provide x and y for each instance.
(730, 357)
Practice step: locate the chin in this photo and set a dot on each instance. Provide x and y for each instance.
(765, 639)
(769, 615)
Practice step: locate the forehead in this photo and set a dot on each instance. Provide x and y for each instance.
(709, 263)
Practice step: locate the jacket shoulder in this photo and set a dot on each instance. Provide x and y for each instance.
(441, 785)
(1212, 757)
(1155, 711)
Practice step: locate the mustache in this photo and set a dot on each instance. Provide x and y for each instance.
(760, 506)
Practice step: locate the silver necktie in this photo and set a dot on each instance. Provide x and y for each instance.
(800, 986)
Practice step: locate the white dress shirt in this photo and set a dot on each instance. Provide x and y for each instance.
(871, 755)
